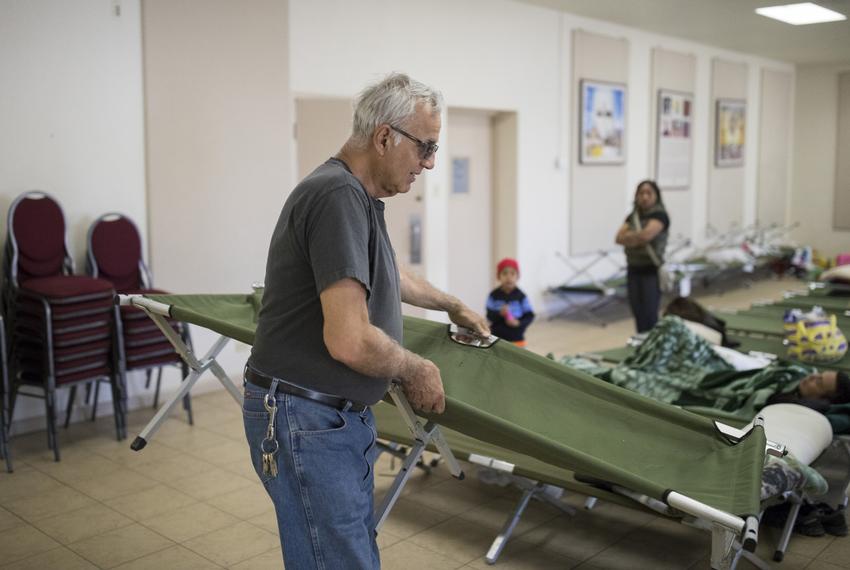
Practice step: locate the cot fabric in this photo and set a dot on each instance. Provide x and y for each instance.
(778, 475)
(529, 404)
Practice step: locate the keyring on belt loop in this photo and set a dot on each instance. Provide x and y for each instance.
(270, 397)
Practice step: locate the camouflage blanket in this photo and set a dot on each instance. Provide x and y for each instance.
(676, 366)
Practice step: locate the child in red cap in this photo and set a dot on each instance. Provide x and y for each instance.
(508, 309)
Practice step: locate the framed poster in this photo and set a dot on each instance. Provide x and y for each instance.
(674, 139)
(603, 123)
(729, 136)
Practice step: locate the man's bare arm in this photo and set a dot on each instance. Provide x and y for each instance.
(351, 339)
(417, 291)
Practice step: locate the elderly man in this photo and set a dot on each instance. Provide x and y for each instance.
(330, 327)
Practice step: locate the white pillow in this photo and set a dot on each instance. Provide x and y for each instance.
(805, 432)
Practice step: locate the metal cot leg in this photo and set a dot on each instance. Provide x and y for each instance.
(502, 538)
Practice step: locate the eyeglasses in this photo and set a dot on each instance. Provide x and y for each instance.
(426, 149)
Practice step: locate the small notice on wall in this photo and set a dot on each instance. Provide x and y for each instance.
(460, 175)
(673, 150)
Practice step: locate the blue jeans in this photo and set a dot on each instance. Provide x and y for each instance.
(322, 493)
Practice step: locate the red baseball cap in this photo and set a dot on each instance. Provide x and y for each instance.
(507, 262)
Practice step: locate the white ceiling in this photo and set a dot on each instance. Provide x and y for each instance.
(730, 24)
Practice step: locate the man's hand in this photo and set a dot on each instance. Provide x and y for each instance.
(463, 316)
(423, 387)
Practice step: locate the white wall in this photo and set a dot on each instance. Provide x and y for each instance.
(71, 114)
(813, 186)
(517, 58)
(71, 110)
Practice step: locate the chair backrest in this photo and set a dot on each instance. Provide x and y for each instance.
(35, 239)
(115, 252)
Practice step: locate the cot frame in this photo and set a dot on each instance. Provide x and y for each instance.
(726, 529)
(423, 435)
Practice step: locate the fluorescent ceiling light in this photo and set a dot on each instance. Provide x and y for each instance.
(800, 14)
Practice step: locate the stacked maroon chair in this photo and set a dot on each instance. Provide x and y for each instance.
(62, 325)
(115, 254)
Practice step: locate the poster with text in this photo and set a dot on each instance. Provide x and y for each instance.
(603, 123)
(674, 141)
(729, 132)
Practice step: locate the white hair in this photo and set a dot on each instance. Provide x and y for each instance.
(391, 101)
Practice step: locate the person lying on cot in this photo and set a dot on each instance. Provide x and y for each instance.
(676, 366)
(818, 391)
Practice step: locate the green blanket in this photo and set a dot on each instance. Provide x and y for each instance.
(676, 366)
(529, 404)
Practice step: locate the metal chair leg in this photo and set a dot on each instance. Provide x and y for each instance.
(13, 398)
(148, 379)
(94, 400)
(70, 408)
(117, 408)
(156, 392)
(6, 448)
(53, 439)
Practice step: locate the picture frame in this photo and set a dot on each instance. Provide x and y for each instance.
(730, 132)
(674, 139)
(602, 134)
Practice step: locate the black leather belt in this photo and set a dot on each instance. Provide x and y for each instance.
(264, 381)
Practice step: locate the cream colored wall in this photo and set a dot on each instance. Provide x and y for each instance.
(775, 142)
(841, 216)
(71, 120)
(219, 145)
(813, 181)
(219, 135)
(726, 187)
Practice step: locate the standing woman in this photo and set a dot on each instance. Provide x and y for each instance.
(644, 237)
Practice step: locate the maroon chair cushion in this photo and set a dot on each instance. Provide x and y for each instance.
(82, 337)
(34, 351)
(39, 229)
(64, 368)
(29, 268)
(150, 350)
(36, 326)
(37, 377)
(68, 288)
(155, 362)
(29, 306)
(117, 250)
(135, 326)
(144, 339)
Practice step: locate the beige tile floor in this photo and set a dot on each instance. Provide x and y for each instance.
(190, 500)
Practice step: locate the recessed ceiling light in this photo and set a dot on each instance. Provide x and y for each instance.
(800, 14)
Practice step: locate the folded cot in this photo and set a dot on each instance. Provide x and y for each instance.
(681, 463)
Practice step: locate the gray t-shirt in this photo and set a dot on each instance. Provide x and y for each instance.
(329, 229)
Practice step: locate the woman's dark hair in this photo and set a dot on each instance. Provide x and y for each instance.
(652, 185)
